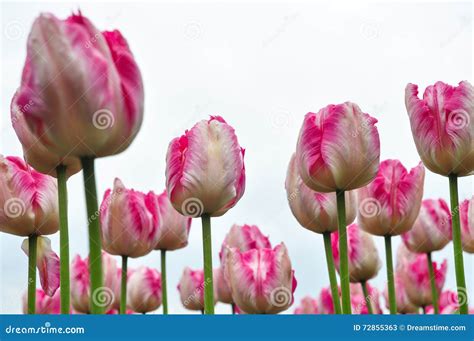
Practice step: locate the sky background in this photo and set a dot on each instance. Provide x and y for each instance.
(261, 66)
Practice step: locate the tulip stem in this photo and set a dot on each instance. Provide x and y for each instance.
(123, 286)
(332, 272)
(95, 248)
(434, 291)
(368, 300)
(390, 280)
(458, 257)
(63, 239)
(208, 281)
(233, 308)
(32, 245)
(343, 261)
(164, 292)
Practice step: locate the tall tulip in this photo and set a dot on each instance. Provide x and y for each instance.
(205, 177)
(317, 212)
(173, 235)
(466, 211)
(30, 209)
(431, 232)
(81, 94)
(389, 205)
(144, 290)
(129, 223)
(307, 306)
(338, 150)
(191, 289)
(261, 280)
(442, 123)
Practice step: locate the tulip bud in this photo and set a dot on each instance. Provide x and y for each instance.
(442, 126)
(205, 172)
(144, 290)
(432, 229)
(307, 306)
(129, 221)
(364, 261)
(223, 292)
(390, 204)
(314, 210)
(338, 148)
(261, 280)
(45, 305)
(326, 304)
(174, 227)
(404, 305)
(191, 289)
(466, 212)
(29, 200)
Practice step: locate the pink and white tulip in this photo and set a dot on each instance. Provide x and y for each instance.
(129, 221)
(359, 301)
(390, 204)
(205, 172)
(81, 91)
(404, 305)
(29, 199)
(441, 123)
(432, 229)
(466, 213)
(144, 290)
(191, 289)
(174, 227)
(314, 210)
(338, 148)
(47, 262)
(364, 261)
(261, 280)
(45, 305)
(223, 292)
(307, 306)
(325, 301)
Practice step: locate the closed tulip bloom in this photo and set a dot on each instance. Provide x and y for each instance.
(314, 210)
(326, 304)
(191, 289)
(45, 305)
(205, 172)
(359, 301)
(432, 229)
(390, 204)
(144, 290)
(223, 293)
(404, 305)
(364, 261)
(307, 306)
(29, 199)
(174, 227)
(261, 280)
(466, 212)
(47, 262)
(448, 303)
(338, 148)
(35, 153)
(441, 123)
(81, 90)
(80, 284)
(129, 221)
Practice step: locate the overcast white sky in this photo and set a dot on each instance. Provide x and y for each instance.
(262, 66)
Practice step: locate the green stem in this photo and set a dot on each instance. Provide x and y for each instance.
(208, 281)
(63, 239)
(95, 249)
(332, 272)
(32, 246)
(164, 291)
(390, 281)
(343, 261)
(434, 291)
(368, 301)
(458, 257)
(123, 287)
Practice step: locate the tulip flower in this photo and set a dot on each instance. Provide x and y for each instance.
(467, 224)
(205, 177)
(261, 280)
(365, 299)
(191, 289)
(448, 303)
(307, 306)
(338, 150)
(30, 209)
(173, 235)
(326, 301)
(144, 290)
(442, 123)
(223, 293)
(404, 305)
(129, 223)
(85, 102)
(45, 304)
(317, 212)
(83, 296)
(389, 205)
